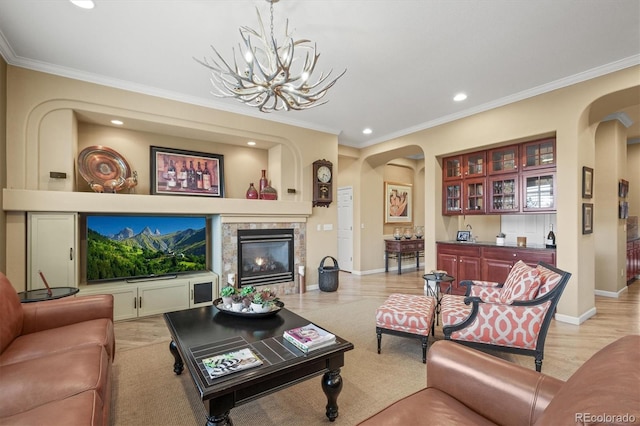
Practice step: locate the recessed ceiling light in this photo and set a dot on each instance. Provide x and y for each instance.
(251, 143)
(367, 131)
(460, 97)
(84, 4)
(117, 122)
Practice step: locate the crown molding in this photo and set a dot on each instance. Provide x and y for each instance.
(530, 93)
(622, 117)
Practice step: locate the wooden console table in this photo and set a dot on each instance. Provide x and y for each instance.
(400, 247)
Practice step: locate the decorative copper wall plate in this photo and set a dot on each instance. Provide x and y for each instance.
(104, 166)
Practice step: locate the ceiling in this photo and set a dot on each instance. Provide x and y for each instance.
(405, 59)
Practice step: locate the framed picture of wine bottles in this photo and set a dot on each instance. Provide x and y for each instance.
(179, 172)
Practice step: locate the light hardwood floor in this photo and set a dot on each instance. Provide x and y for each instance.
(567, 346)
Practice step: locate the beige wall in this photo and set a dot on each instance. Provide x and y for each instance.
(3, 162)
(37, 101)
(568, 114)
(633, 176)
(609, 231)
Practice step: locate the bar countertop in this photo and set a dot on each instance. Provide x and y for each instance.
(493, 244)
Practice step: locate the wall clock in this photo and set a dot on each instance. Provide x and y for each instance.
(322, 183)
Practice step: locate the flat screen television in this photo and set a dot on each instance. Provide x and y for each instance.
(128, 247)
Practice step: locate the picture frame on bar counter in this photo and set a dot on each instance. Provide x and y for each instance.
(180, 172)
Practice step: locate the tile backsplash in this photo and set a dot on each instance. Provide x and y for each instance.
(533, 226)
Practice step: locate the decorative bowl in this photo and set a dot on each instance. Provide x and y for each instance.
(439, 274)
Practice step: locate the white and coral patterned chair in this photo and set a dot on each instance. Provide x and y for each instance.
(512, 317)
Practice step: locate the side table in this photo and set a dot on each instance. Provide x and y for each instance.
(401, 247)
(40, 295)
(437, 292)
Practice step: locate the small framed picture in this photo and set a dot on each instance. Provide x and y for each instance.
(463, 236)
(179, 172)
(623, 188)
(587, 218)
(587, 182)
(623, 210)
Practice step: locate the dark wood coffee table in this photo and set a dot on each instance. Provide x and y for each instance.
(202, 332)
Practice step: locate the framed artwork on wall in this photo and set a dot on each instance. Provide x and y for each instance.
(587, 218)
(623, 188)
(587, 182)
(623, 210)
(398, 202)
(179, 172)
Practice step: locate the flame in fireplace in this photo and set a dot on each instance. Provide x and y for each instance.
(260, 261)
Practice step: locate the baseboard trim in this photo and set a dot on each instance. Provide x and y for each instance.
(369, 272)
(408, 268)
(612, 294)
(576, 320)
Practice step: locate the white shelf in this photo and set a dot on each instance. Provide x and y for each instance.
(90, 202)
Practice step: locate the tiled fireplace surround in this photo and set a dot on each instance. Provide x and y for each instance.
(229, 234)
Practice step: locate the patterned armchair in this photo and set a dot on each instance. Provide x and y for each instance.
(512, 317)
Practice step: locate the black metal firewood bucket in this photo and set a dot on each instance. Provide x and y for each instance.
(328, 275)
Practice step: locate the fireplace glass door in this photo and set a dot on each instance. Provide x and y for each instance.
(265, 256)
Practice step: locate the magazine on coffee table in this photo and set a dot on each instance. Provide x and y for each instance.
(309, 337)
(221, 365)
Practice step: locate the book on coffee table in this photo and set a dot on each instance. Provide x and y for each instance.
(309, 337)
(221, 365)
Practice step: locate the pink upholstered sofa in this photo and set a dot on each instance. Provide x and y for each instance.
(55, 359)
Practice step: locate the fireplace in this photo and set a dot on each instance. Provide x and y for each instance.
(265, 256)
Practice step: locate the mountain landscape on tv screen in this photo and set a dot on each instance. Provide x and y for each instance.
(148, 253)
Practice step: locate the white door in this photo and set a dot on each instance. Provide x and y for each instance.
(52, 249)
(345, 228)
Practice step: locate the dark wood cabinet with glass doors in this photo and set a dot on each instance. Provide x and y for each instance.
(504, 194)
(452, 194)
(509, 179)
(538, 154)
(503, 160)
(538, 191)
(464, 184)
(473, 195)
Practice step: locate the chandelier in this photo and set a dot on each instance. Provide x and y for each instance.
(267, 75)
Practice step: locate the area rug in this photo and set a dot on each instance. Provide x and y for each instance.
(146, 391)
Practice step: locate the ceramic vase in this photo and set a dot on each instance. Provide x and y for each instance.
(252, 192)
(237, 306)
(263, 182)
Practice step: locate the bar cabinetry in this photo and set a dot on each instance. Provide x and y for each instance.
(460, 261)
(510, 179)
(469, 261)
(633, 260)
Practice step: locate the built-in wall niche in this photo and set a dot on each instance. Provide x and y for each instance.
(242, 164)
